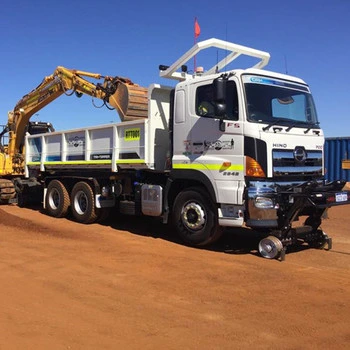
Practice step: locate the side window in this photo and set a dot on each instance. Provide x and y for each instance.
(205, 105)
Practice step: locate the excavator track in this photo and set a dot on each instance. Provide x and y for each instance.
(7, 191)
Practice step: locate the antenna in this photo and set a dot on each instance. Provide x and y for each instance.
(285, 64)
(226, 47)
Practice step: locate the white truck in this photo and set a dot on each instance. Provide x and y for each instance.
(221, 149)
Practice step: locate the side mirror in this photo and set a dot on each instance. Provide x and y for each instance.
(220, 109)
(220, 96)
(219, 89)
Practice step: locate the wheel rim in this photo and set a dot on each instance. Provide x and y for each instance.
(270, 247)
(193, 216)
(54, 199)
(80, 203)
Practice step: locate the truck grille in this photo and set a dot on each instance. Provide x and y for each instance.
(297, 162)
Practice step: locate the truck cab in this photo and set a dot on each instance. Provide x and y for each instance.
(267, 135)
(256, 147)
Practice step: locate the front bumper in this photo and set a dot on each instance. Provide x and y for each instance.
(275, 205)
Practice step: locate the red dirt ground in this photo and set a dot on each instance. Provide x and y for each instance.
(129, 284)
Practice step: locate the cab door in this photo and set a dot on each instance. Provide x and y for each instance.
(213, 145)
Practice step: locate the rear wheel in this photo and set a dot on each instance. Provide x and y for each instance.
(195, 217)
(57, 199)
(83, 203)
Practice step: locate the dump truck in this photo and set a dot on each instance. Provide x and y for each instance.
(219, 150)
(131, 99)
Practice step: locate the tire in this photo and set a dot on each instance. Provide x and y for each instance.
(195, 218)
(57, 199)
(83, 203)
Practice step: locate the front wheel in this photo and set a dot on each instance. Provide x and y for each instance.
(83, 203)
(195, 218)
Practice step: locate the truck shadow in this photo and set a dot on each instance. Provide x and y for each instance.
(234, 241)
(242, 241)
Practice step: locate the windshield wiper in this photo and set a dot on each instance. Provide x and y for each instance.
(268, 126)
(302, 124)
(292, 126)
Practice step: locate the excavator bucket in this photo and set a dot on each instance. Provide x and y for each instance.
(130, 101)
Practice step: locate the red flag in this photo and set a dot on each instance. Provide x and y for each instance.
(197, 29)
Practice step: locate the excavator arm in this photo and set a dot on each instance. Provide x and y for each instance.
(129, 99)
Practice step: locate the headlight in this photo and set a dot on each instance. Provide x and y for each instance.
(264, 203)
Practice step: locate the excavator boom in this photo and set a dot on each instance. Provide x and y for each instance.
(129, 99)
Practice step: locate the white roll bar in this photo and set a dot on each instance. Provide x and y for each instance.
(234, 51)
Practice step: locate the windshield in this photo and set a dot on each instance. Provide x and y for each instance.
(276, 101)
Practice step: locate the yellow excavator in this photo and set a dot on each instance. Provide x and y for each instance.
(128, 99)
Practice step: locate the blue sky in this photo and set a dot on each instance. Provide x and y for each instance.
(308, 39)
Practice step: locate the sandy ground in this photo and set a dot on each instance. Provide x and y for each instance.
(129, 284)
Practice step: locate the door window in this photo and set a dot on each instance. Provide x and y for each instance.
(205, 103)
